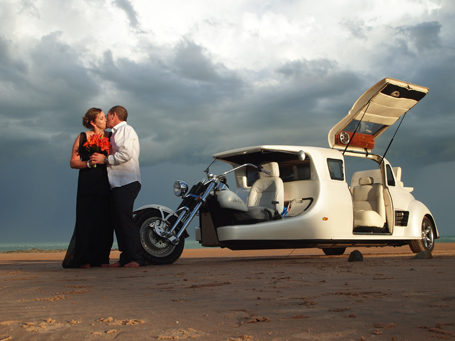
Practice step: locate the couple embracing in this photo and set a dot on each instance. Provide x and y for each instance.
(109, 182)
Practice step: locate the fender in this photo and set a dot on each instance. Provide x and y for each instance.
(418, 212)
(166, 212)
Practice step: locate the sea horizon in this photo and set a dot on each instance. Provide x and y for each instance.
(47, 246)
(189, 244)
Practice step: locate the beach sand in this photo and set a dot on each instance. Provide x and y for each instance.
(217, 294)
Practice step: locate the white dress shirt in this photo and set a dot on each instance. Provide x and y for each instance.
(123, 167)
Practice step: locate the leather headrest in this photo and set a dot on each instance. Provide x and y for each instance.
(271, 167)
(368, 180)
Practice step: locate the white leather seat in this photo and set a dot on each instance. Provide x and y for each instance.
(268, 189)
(368, 202)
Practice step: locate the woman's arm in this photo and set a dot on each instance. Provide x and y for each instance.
(76, 162)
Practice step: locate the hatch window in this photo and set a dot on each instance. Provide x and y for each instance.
(335, 169)
(367, 128)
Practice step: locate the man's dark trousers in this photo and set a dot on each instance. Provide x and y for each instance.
(126, 230)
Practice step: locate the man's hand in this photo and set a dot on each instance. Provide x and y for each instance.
(97, 158)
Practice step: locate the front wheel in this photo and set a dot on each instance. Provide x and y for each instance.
(157, 250)
(426, 243)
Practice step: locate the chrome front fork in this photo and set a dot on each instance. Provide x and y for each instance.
(175, 238)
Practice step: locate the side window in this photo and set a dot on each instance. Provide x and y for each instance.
(252, 175)
(295, 172)
(390, 177)
(287, 173)
(304, 171)
(335, 169)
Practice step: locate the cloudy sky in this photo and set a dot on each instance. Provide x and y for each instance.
(200, 77)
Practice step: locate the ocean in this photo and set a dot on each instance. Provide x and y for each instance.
(8, 247)
(189, 244)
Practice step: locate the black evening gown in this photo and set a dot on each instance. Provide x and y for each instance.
(93, 234)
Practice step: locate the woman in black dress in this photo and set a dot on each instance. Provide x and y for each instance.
(93, 234)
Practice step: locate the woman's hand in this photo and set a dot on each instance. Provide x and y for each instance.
(97, 158)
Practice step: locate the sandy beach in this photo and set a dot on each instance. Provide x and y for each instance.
(216, 294)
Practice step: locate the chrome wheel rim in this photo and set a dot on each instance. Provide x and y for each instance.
(427, 234)
(152, 243)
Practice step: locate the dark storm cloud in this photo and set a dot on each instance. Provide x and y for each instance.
(41, 97)
(11, 69)
(427, 136)
(309, 94)
(314, 84)
(416, 54)
(53, 78)
(186, 90)
(424, 36)
(60, 75)
(185, 77)
(202, 96)
(128, 8)
(191, 63)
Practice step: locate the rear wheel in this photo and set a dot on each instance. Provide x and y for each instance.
(426, 243)
(157, 250)
(335, 251)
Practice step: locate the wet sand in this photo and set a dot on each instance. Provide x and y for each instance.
(216, 294)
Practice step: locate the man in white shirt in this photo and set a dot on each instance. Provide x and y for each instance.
(125, 180)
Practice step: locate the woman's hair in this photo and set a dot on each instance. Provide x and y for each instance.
(90, 116)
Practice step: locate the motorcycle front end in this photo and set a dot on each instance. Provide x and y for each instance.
(154, 223)
(162, 230)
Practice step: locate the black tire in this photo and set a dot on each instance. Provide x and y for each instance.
(426, 243)
(336, 251)
(157, 250)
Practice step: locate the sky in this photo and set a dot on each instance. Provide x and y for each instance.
(200, 77)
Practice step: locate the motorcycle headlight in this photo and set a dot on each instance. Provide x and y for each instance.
(180, 188)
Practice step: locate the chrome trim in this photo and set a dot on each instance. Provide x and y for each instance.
(180, 188)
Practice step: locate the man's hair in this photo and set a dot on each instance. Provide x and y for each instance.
(121, 112)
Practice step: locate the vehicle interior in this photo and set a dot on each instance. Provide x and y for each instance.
(295, 176)
(372, 202)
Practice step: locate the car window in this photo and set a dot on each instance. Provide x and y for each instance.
(295, 172)
(390, 177)
(304, 171)
(335, 169)
(288, 173)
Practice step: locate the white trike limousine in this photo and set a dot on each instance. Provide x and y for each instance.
(290, 197)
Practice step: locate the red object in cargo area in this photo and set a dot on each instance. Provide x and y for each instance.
(359, 140)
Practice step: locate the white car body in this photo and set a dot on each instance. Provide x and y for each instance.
(323, 208)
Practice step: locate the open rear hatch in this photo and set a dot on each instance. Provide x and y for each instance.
(375, 111)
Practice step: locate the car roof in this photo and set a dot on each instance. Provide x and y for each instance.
(373, 113)
(278, 153)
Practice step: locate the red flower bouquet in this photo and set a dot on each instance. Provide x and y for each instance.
(97, 143)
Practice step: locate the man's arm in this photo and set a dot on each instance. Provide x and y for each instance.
(124, 141)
